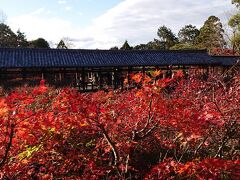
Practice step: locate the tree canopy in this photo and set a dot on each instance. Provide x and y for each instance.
(61, 45)
(236, 2)
(21, 39)
(188, 34)
(179, 128)
(211, 34)
(39, 43)
(7, 37)
(126, 46)
(167, 37)
(234, 22)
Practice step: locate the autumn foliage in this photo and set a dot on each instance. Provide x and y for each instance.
(224, 52)
(179, 128)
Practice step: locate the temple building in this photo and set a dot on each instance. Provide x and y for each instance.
(98, 69)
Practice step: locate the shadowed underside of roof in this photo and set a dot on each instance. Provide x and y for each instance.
(27, 58)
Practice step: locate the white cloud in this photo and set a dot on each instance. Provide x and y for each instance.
(38, 11)
(138, 20)
(134, 20)
(35, 25)
(68, 8)
(79, 13)
(62, 2)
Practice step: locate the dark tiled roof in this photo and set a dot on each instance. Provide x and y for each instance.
(18, 58)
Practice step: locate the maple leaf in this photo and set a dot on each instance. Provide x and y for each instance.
(179, 74)
(137, 77)
(139, 93)
(156, 73)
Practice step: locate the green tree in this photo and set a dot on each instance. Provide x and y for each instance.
(234, 23)
(156, 45)
(61, 45)
(152, 45)
(184, 46)
(141, 47)
(126, 46)
(21, 39)
(167, 37)
(114, 48)
(7, 37)
(211, 34)
(39, 43)
(236, 2)
(188, 34)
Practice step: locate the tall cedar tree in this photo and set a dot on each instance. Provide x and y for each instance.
(211, 34)
(61, 45)
(234, 23)
(126, 46)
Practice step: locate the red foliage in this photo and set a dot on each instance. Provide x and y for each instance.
(224, 52)
(213, 168)
(190, 126)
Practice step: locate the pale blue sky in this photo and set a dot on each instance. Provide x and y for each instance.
(106, 23)
(78, 11)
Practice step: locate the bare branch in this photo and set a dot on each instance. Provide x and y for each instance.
(8, 146)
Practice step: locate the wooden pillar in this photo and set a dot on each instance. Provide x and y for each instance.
(83, 79)
(76, 76)
(1, 75)
(143, 70)
(42, 74)
(100, 79)
(64, 74)
(115, 78)
(128, 74)
(24, 74)
(120, 77)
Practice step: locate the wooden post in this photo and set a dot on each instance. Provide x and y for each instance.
(100, 79)
(128, 74)
(83, 79)
(143, 70)
(42, 76)
(64, 74)
(76, 79)
(0, 74)
(115, 78)
(23, 74)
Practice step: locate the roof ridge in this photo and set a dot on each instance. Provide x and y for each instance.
(101, 50)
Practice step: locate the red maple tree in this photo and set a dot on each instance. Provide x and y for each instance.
(167, 128)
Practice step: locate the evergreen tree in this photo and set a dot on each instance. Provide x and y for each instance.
(21, 39)
(167, 37)
(114, 48)
(126, 46)
(211, 34)
(188, 34)
(234, 23)
(141, 47)
(61, 45)
(7, 37)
